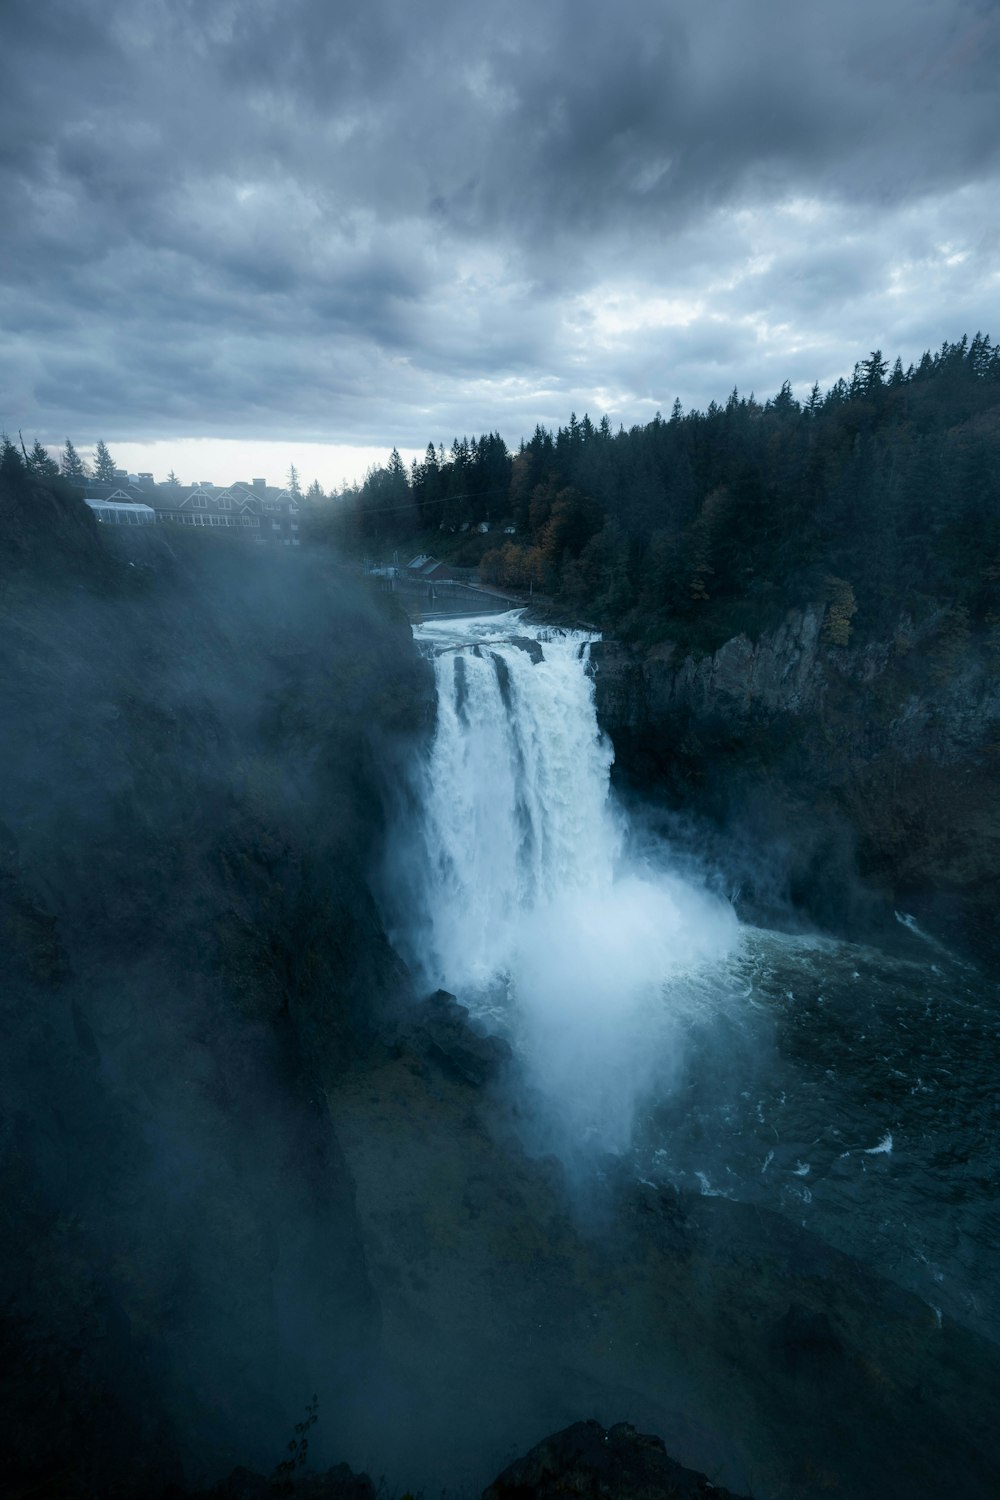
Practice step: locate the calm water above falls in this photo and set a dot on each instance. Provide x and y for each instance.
(852, 1091)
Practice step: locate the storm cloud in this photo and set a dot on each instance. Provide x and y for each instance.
(391, 223)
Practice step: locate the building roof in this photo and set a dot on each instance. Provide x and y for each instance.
(425, 566)
(171, 497)
(241, 496)
(135, 507)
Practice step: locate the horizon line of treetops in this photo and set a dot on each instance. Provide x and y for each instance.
(978, 355)
(470, 457)
(883, 493)
(39, 462)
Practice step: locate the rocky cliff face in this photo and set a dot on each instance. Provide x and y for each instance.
(866, 776)
(190, 801)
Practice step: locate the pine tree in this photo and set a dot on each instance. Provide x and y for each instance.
(314, 494)
(11, 462)
(784, 401)
(172, 478)
(396, 470)
(869, 374)
(104, 464)
(73, 465)
(41, 463)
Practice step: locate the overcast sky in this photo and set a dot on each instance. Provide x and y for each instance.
(356, 224)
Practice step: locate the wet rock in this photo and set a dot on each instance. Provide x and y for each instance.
(586, 1461)
(439, 1031)
(864, 777)
(529, 647)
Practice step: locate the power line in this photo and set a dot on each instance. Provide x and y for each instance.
(384, 510)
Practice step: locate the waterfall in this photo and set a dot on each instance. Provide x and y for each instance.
(522, 902)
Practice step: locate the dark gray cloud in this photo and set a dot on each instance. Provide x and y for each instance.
(387, 222)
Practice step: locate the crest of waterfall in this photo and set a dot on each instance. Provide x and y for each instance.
(525, 905)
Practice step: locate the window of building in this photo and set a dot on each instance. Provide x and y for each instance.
(199, 502)
(225, 503)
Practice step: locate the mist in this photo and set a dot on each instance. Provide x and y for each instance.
(190, 958)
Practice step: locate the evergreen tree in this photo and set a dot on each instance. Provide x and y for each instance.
(784, 401)
(104, 464)
(294, 488)
(11, 462)
(870, 372)
(41, 463)
(397, 471)
(72, 464)
(314, 494)
(172, 478)
(426, 484)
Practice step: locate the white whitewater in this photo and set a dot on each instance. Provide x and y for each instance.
(528, 910)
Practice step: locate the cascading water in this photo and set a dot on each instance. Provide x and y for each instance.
(528, 911)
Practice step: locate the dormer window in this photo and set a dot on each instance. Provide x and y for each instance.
(270, 505)
(199, 502)
(225, 503)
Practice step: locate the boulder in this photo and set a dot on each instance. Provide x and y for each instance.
(589, 1461)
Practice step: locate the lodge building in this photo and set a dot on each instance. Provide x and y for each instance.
(254, 508)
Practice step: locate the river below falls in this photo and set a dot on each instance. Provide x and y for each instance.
(855, 1093)
(849, 1089)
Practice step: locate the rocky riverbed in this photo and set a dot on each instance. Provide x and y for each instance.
(510, 1304)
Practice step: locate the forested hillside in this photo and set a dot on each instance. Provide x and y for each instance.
(879, 498)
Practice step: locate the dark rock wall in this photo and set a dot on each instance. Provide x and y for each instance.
(195, 744)
(851, 779)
